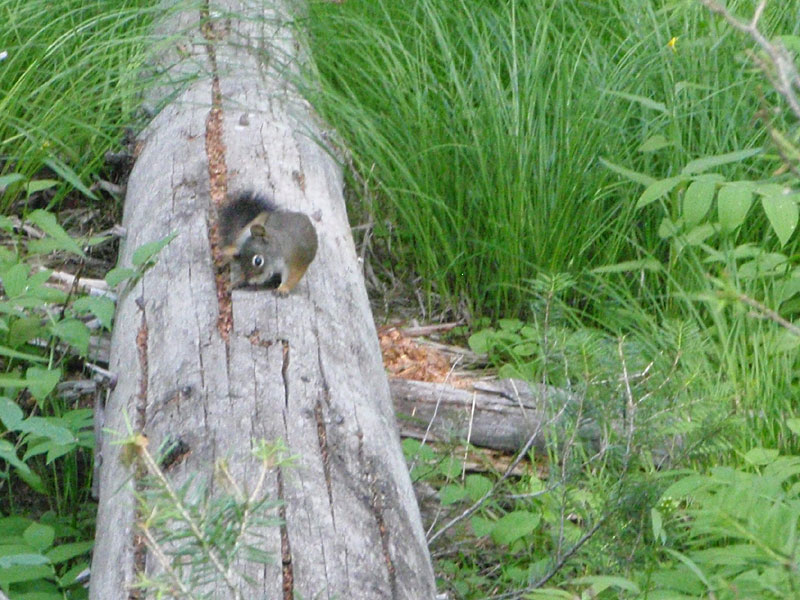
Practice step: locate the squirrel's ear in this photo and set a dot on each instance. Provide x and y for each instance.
(229, 253)
(258, 230)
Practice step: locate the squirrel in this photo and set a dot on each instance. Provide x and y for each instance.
(271, 246)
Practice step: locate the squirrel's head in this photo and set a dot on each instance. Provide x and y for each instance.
(260, 259)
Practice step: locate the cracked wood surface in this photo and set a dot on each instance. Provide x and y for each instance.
(305, 368)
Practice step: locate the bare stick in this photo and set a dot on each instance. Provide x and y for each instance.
(768, 313)
(785, 78)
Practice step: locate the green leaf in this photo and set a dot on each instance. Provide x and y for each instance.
(74, 332)
(792, 42)
(761, 456)
(655, 142)
(10, 413)
(793, 425)
(55, 451)
(100, 306)
(119, 274)
(788, 288)
(15, 280)
(50, 295)
(71, 575)
(477, 486)
(33, 480)
(10, 179)
(667, 229)
(414, 448)
(46, 245)
(771, 189)
(481, 526)
(691, 566)
(10, 557)
(642, 100)
(39, 536)
(525, 349)
(481, 341)
(709, 162)
(11, 381)
(65, 552)
(69, 176)
(785, 341)
(765, 264)
(643, 264)
(450, 467)
(697, 200)
(47, 428)
(600, 583)
(511, 325)
(42, 381)
(27, 302)
(550, 594)
(24, 567)
(684, 487)
(511, 371)
(517, 574)
(9, 454)
(781, 210)
(450, 494)
(658, 189)
(634, 176)
(699, 234)
(38, 278)
(514, 525)
(12, 527)
(24, 330)
(658, 526)
(46, 221)
(144, 253)
(37, 185)
(733, 203)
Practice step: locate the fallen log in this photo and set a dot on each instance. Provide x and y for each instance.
(500, 414)
(217, 371)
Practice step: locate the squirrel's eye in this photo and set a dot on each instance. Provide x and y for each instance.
(258, 261)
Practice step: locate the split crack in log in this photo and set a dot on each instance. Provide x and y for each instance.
(286, 549)
(217, 174)
(139, 547)
(322, 430)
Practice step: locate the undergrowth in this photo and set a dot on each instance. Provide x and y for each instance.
(72, 80)
(483, 131)
(606, 192)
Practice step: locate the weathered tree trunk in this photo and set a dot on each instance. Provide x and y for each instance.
(219, 371)
(500, 414)
(505, 414)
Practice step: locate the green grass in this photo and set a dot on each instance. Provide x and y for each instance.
(480, 128)
(71, 82)
(481, 133)
(481, 125)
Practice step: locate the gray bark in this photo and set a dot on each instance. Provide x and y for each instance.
(500, 414)
(504, 414)
(305, 368)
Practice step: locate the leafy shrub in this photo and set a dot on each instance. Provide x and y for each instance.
(731, 533)
(45, 441)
